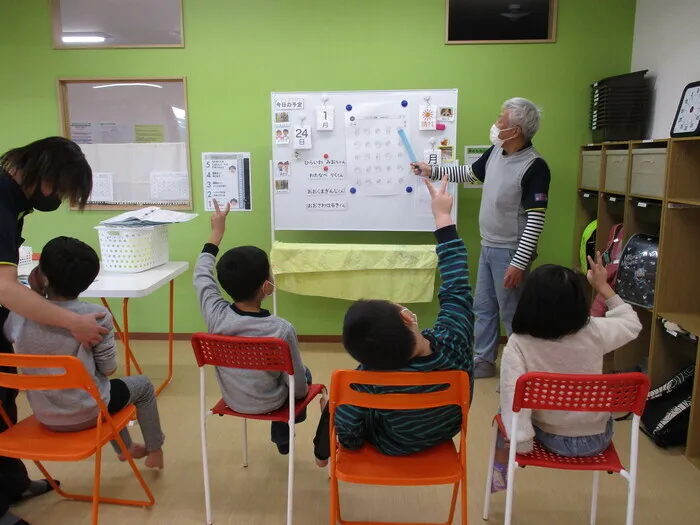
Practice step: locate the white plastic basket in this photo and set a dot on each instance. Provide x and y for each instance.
(25, 255)
(133, 250)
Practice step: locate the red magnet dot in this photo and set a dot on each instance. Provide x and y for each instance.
(325, 155)
(325, 168)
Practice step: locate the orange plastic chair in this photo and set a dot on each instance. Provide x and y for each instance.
(573, 393)
(440, 465)
(250, 353)
(29, 440)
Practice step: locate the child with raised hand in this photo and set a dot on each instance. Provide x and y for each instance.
(553, 332)
(244, 274)
(67, 268)
(382, 335)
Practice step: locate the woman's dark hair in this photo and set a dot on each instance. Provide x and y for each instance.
(553, 304)
(55, 161)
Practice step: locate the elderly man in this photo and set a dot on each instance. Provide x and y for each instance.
(511, 219)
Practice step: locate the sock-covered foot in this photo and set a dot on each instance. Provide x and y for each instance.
(10, 519)
(37, 488)
(155, 459)
(136, 450)
(499, 482)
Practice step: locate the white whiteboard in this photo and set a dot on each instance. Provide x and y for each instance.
(356, 176)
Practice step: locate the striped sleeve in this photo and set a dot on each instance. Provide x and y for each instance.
(528, 241)
(458, 174)
(456, 318)
(350, 426)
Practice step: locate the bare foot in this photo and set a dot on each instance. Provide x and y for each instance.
(321, 463)
(136, 450)
(155, 459)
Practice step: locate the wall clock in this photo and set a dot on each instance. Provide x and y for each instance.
(687, 121)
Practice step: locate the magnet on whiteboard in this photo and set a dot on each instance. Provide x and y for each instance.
(348, 107)
(440, 126)
(404, 103)
(325, 168)
(353, 191)
(409, 189)
(325, 155)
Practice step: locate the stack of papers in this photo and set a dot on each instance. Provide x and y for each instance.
(151, 216)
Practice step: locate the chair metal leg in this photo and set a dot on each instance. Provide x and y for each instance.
(290, 476)
(594, 497)
(203, 413)
(632, 480)
(96, 485)
(489, 471)
(245, 443)
(510, 482)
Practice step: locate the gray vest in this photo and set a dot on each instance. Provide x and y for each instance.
(502, 217)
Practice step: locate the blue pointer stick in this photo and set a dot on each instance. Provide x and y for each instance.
(407, 145)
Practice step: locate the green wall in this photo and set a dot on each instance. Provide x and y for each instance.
(238, 51)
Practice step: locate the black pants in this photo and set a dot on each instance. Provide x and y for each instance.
(322, 439)
(14, 479)
(279, 432)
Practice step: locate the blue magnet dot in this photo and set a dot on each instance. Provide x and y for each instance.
(348, 107)
(353, 191)
(404, 103)
(409, 189)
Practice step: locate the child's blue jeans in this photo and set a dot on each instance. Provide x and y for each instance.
(576, 447)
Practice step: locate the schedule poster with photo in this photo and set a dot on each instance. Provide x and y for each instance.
(227, 180)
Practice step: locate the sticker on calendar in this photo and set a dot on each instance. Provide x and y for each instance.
(289, 103)
(281, 186)
(282, 136)
(283, 169)
(427, 120)
(327, 206)
(446, 114)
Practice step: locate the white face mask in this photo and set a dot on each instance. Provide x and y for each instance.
(272, 285)
(495, 140)
(415, 317)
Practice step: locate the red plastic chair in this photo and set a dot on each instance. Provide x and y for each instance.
(248, 353)
(574, 393)
(29, 440)
(440, 465)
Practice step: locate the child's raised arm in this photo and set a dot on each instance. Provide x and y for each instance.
(211, 302)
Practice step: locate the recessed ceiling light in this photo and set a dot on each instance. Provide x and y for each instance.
(83, 38)
(143, 84)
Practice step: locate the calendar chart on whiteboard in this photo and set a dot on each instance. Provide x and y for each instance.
(339, 162)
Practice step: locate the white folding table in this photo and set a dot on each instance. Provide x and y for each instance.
(125, 286)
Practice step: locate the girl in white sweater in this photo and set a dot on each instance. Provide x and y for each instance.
(553, 332)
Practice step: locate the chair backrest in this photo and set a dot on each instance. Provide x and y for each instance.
(456, 391)
(70, 373)
(250, 353)
(582, 393)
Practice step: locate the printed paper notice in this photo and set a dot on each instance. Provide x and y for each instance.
(102, 188)
(227, 179)
(113, 133)
(170, 186)
(471, 155)
(81, 133)
(149, 133)
(376, 158)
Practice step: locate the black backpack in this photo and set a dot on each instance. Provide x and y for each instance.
(666, 417)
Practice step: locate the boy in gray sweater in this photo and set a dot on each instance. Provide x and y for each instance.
(66, 269)
(244, 274)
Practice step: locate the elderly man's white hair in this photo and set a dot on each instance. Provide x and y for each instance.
(523, 113)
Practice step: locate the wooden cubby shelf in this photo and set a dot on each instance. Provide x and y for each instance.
(652, 187)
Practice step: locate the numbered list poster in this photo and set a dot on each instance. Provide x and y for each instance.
(227, 180)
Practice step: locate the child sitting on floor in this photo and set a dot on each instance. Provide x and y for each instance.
(553, 332)
(382, 335)
(244, 274)
(67, 267)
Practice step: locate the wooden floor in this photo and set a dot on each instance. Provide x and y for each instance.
(667, 491)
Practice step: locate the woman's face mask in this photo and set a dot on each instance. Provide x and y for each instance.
(41, 202)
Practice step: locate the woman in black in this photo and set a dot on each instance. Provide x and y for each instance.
(38, 177)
